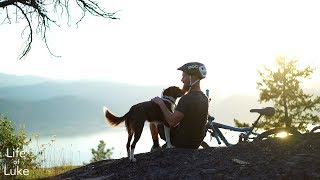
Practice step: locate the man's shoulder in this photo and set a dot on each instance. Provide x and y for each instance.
(186, 97)
(193, 96)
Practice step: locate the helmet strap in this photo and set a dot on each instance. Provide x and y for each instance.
(192, 83)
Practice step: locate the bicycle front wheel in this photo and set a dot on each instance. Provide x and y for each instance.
(276, 131)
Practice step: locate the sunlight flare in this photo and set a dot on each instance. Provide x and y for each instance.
(282, 134)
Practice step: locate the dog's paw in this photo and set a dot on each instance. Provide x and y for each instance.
(133, 160)
(170, 146)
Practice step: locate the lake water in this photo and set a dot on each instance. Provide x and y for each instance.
(77, 150)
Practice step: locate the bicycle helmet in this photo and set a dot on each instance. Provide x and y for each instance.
(194, 68)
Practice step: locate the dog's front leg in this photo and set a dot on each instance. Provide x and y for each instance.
(167, 134)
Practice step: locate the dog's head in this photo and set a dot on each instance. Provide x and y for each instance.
(173, 91)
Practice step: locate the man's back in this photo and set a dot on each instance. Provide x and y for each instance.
(191, 130)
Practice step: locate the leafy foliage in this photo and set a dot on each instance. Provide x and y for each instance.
(100, 153)
(282, 86)
(240, 124)
(12, 139)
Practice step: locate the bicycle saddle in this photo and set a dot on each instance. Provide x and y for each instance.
(268, 111)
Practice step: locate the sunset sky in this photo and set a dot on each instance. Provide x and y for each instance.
(152, 39)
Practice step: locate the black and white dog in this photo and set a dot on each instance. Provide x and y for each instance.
(139, 113)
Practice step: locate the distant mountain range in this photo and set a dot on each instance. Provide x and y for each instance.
(65, 108)
(7, 80)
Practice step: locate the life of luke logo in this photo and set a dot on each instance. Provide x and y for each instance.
(15, 155)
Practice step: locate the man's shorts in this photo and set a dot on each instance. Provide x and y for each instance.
(174, 141)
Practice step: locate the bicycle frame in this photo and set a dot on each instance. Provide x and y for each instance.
(214, 126)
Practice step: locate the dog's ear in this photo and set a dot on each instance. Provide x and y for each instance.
(164, 92)
(178, 92)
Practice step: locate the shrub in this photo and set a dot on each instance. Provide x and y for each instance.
(13, 149)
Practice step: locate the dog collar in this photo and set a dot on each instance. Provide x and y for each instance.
(169, 99)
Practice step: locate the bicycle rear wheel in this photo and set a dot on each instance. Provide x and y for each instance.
(273, 132)
(315, 129)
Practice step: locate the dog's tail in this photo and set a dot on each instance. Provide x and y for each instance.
(111, 118)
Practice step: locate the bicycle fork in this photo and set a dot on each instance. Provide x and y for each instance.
(216, 133)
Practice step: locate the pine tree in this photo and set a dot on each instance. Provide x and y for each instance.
(101, 153)
(294, 107)
(240, 124)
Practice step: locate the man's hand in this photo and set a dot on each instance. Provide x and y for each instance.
(158, 101)
(172, 119)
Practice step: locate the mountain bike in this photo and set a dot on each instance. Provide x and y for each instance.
(246, 133)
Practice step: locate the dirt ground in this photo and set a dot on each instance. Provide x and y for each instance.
(287, 158)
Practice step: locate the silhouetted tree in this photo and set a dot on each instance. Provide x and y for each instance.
(39, 15)
(282, 86)
(240, 124)
(100, 153)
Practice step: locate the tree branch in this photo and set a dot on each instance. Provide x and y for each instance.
(29, 40)
(38, 10)
(4, 4)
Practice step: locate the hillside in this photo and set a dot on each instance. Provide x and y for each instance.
(69, 107)
(288, 158)
(63, 115)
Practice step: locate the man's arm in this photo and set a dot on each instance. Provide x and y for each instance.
(174, 118)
